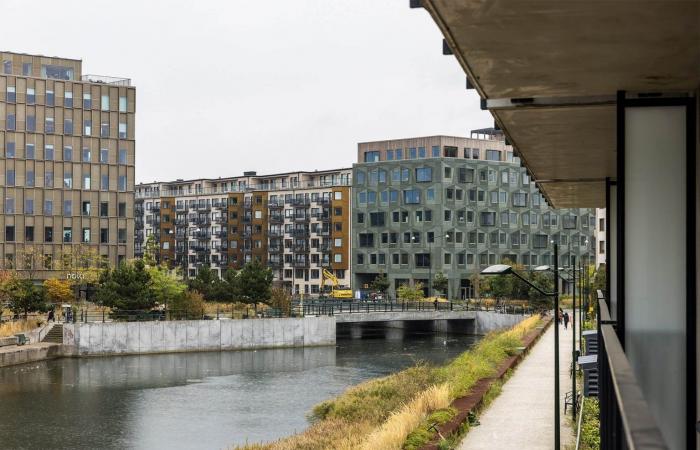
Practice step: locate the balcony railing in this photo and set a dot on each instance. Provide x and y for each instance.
(624, 414)
(103, 79)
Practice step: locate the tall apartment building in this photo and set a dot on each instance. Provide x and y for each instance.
(296, 223)
(600, 237)
(454, 205)
(67, 164)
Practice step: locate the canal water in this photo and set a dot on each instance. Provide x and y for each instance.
(197, 400)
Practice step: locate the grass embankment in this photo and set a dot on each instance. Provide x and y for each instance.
(396, 411)
(19, 326)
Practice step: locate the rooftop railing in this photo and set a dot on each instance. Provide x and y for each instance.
(624, 414)
(165, 192)
(102, 79)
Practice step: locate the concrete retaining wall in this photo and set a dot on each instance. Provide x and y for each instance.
(491, 321)
(11, 356)
(196, 335)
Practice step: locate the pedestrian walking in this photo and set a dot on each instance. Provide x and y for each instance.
(51, 317)
(566, 320)
(560, 316)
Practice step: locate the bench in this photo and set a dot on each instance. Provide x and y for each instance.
(569, 400)
(22, 339)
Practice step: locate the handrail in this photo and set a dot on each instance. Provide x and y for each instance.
(638, 425)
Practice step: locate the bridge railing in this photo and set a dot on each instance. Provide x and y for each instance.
(332, 307)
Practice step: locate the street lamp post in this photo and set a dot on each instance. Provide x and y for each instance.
(503, 269)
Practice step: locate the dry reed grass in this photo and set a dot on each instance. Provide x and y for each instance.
(18, 326)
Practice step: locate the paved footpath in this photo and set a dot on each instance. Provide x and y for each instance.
(522, 417)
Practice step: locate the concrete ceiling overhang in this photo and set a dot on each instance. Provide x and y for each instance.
(514, 49)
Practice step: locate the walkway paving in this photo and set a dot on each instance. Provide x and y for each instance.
(522, 417)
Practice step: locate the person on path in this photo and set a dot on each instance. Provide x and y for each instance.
(566, 320)
(560, 315)
(51, 316)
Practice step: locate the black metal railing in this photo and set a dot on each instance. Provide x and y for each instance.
(625, 419)
(337, 306)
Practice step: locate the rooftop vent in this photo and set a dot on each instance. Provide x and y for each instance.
(250, 173)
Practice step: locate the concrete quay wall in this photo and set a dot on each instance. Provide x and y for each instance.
(22, 354)
(196, 335)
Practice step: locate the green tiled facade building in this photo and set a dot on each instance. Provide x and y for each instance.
(454, 205)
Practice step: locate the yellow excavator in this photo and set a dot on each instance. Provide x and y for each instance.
(336, 291)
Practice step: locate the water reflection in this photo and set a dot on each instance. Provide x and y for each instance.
(197, 400)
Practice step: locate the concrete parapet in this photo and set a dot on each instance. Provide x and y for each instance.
(13, 355)
(196, 335)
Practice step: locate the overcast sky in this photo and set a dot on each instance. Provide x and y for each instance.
(268, 85)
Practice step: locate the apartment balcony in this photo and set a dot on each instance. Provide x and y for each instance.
(247, 219)
(138, 224)
(275, 249)
(323, 232)
(180, 222)
(198, 248)
(155, 209)
(202, 236)
(221, 219)
(301, 249)
(300, 264)
(180, 237)
(275, 233)
(247, 234)
(300, 233)
(301, 218)
(138, 239)
(276, 205)
(276, 218)
(324, 201)
(275, 264)
(203, 221)
(203, 208)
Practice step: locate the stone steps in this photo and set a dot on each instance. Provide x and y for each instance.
(55, 334)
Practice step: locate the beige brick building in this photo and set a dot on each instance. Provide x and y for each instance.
(66, 165)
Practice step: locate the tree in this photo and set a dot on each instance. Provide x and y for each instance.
(150, 251)
(204, 282)
(599, 280)
(58, 291)
(25, 297)
(380, 283)
(255, 282)
(544, 281)
(165, 286)
(126, 287)
(441, 283)
(410, 293)
(187, 305)
(281, 300)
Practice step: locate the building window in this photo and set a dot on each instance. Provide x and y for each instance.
(411, 196)
(67, 153)
(450, 151)
(122, 156)
(48, 234)
(389, 155)
(540, 241)
(104, 155)
(122, 183)
(421, 152)
(50, 98)
(29, 206)
(86, 235)
(121, 235)
(56, 72)
(27, 69)
(104, 235)
(10, 177)
(86, 155)
(7, 66)
(121, 210)
(30, 178)
(86, 209)
(67, 207)
(10, 150)
(48, 152)
(122, 104)
(67, 126)
(465, 175)
(67, 234)
(104, 103)
(104, 182)
(122, 130)
(9, 233)
(29, 234)
(11, 95)
(399, 154)
(493, 155)
(10, 123)
(424, 174)
(68, 99)
(87, 101)
(49, 125)
(87, 127)
(31, 96)
(372, 156)
(31, 123)
(48, 207)
(519, 199)
(9, 205)
(104, 209)
(29, 151)
(86, 181)
(338, 242)
(67, 180)
(104, 129)
(487, 219)
(366, 239)
(435, 151)
(422, 260)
